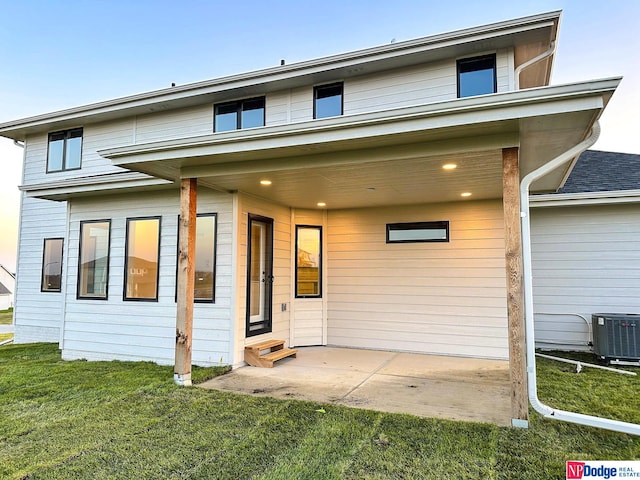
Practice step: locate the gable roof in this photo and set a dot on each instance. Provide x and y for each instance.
(598, 171)
(4, 290)
(528, 36)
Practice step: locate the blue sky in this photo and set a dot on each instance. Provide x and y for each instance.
(65, 53)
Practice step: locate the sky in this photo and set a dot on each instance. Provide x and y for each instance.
(56, 54)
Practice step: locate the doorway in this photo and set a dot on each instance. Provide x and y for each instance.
(259, 275)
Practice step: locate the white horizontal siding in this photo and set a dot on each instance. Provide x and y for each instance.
(442, 298)
(166, 125)
(38, 315)
(419, 84)
(308, 314)
(281, 272)
(118, 329)
(585, 260)
(94, 137)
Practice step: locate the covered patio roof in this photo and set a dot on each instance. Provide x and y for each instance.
(385, 158)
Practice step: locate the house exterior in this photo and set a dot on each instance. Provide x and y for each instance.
(586, 249)
(366, 199)
(7, 287)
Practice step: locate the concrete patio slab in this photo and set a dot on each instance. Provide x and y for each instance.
(423, 385)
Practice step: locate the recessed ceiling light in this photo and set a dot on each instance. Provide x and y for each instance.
(465, 194)
(265, 182)
(449, 166)
(321, 204)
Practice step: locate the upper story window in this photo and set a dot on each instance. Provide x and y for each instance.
(327, 100)
(247, 113)
(477, 76)
(65, 150)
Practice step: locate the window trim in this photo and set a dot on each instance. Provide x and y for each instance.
(315, 99)
(477, 58)
(126, 260)
(320, 262)
(215, 255)
(67, 135)
(239, 104)
(431, 225)
(44, 250)
(106, 293)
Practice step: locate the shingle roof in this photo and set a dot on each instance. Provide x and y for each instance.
(3, 290)
(597, 171)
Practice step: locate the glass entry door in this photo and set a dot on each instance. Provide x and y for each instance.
(259, 275)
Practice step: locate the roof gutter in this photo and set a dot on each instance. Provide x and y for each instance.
(545, 410)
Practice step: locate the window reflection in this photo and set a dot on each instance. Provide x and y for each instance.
(308, 261)
(94, 259)
(142, 259)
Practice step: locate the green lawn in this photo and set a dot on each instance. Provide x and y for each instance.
(106, 420)
(6, 317)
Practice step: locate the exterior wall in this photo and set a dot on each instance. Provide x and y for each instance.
(129, 330)
(37, 315)
(309, 315)
(585, 260)
(281, 272)
(94, 138)
(439, 298)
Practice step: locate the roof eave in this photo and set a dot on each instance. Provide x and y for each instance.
(173, 97)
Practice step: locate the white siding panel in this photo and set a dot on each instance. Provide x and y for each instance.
(586, 259)
(186, 122)
(117, 329)
(38, 315)
(442, 298)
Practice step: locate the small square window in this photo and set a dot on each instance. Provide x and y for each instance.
(418, 232)
(65, 150)
(327, 100)
(241, 114)
(477, 76)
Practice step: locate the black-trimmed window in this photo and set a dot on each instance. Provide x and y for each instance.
(477, 76)
(205, 261)
(142, 259)
(65, 150)
(248, 113)
(93, 259)
(418, 232)
(328, 100)
(308, 261)
(51, 280)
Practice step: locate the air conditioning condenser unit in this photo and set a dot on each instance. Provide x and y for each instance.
(616, 336)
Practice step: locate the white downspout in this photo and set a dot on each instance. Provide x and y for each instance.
(545, 410)
(528, 63)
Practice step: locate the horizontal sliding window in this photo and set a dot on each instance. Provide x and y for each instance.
(65, 150)
(240, 114)
(142, 259)
(52, 265)
(93, 268)
(418, 232)
(308, 261)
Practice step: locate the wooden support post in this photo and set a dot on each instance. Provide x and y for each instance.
(515, 295)
(186, 274)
